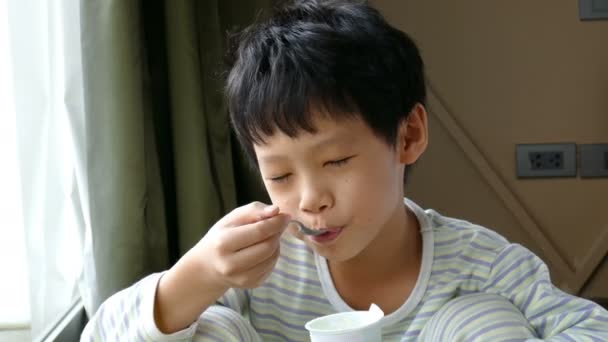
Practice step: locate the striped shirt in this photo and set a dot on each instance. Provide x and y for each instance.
(458, 258)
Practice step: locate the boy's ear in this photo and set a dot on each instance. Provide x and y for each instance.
(413, 135)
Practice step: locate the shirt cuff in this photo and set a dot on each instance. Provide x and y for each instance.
(151, 331)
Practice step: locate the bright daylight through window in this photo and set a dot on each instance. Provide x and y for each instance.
(14, 296)
(40, 233)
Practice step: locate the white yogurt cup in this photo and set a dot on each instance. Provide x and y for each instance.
(353, 326)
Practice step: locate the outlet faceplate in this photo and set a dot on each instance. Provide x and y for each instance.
(593, 9)
(546, 160)
(594, 160)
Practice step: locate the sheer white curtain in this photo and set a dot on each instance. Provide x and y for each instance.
(14, 310)
(46, 59)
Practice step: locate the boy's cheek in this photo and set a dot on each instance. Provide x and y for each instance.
(282, 201)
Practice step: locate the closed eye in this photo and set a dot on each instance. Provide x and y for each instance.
(339, 162)
(280, 179)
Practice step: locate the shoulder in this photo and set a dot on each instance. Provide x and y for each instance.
(455, 232)
(459, 246)
(478, 250)
(452, 234)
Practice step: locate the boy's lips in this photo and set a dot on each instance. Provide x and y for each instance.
(330, 235)
(326, 229)
(322, 226)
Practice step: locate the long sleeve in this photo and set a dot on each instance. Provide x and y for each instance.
(128, 315)
(227, 320)
(523, 278)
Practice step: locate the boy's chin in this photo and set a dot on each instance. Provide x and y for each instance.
(333, 256)
(334, 253)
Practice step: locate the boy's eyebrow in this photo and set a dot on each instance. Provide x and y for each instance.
(272, 158)
(336, 139)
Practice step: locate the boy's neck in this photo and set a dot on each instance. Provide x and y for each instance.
(390, 265)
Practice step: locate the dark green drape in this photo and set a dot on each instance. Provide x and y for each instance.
(161, 163)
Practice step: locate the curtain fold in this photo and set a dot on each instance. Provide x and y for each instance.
(203, 193)
(116, 251)
(159, 160)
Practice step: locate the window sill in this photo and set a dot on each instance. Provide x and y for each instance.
(67, 328)
(16, 335)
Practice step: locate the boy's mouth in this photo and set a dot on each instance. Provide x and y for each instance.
(330, 235)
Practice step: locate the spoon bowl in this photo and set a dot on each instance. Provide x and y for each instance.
(308, 231)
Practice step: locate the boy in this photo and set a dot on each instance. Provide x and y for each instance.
(328, 101)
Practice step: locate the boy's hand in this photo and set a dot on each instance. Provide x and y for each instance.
(241, 249)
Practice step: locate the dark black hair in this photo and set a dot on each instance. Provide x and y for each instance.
(339, 58)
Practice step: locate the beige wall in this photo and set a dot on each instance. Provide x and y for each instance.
(508, 72)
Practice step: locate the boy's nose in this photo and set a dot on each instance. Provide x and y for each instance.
(315, 201)
(313, 207)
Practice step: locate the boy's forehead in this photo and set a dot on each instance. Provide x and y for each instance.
(327, 131)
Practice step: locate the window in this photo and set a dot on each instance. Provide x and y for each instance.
(14, 289)
(40, 235)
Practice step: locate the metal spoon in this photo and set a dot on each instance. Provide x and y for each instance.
(308, 231)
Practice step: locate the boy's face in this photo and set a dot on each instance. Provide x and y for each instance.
(343, 177)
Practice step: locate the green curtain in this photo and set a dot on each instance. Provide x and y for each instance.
(161, 163)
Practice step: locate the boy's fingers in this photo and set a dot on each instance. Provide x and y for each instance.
(237, 238)
(250, 213)
(256, 254)
(263, 270)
